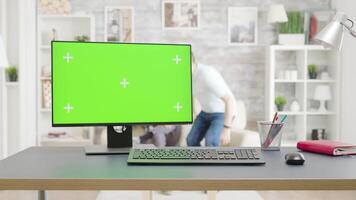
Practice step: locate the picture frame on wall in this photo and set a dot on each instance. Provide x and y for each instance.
(242, 26)
(180, 14)
(119, 24)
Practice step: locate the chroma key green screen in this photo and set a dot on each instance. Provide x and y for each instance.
(120, 83)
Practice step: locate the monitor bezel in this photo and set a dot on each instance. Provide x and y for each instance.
(120, 123)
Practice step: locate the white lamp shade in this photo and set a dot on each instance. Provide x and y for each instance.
(322, 93)
(277, 14)
(333, 33)
(3, 58)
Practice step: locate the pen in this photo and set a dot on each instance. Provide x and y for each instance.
(266, 143)
(284, 118)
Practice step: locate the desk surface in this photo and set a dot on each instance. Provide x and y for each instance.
(68, 168)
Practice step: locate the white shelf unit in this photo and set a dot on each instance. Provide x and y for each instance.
(66, 28)
(299, 124)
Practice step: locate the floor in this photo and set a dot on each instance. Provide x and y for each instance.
(177, 195)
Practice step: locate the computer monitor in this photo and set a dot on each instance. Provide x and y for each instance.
(120, 84)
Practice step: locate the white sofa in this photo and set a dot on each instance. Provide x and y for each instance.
(240, 136)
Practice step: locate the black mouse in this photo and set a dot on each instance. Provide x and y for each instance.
(294, 158)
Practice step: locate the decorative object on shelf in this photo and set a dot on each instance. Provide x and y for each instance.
(119, 23)
(292, 74)
(12, 74)
(242, 26)
(46, 71)
(312, 71)
(82, 38)
(3, 57)
(322, 93)
(294, 106)
(292, 32)
(289, 75)
(281, 75)
(180, 14)
(277, 14)
(46, 93)
(324, 76)
(318, 134)
(280, 102)
(333, 33)
(318, 20)
(54, 6)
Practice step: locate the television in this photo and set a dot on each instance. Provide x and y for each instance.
(120, 84)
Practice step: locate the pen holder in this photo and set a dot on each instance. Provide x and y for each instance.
(270, 135)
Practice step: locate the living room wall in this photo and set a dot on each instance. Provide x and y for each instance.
(243, 67)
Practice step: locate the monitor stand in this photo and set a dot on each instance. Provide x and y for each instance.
(119, 142)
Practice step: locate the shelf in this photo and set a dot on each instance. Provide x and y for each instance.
(320, 113)
(298, 47)
(12, 84)
(45, 47)
(301, 81)
(291, 113)
(301, 89)
(69, 16)
(320, 81)
(46, 110)
(288, 81)
(45, 78)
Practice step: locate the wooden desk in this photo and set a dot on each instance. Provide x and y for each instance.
(68, 168)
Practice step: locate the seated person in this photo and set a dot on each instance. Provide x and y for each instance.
(161, 135)
(217, 104)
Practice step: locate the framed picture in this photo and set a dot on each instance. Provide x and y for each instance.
(242, 26)
(180, 14)
(119, 24)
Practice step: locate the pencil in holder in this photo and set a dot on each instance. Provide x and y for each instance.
(270, 135)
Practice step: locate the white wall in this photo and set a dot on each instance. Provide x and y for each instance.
(348, 76)
(12, 29)
(27, 73)
(3, 128)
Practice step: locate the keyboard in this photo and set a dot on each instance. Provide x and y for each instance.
(196, 155)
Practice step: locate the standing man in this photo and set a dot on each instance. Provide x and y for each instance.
(217, 107)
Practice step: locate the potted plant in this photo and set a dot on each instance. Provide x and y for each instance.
(12, 73)
(292, 32)
(312, 70)
(82, 38)
(280, 103)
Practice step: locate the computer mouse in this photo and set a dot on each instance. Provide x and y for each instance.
(294, 158)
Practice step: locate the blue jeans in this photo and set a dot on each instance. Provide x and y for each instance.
(208, 126)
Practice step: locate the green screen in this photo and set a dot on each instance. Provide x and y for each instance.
(115, 83)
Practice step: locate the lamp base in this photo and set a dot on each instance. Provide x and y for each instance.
(322, 107)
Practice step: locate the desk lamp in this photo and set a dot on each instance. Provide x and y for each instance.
(333, 33)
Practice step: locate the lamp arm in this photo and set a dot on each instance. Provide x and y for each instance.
(349, 28)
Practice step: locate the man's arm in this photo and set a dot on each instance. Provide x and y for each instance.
(195, 107)
(230, 112)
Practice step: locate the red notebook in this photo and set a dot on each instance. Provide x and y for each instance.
(328, 147)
